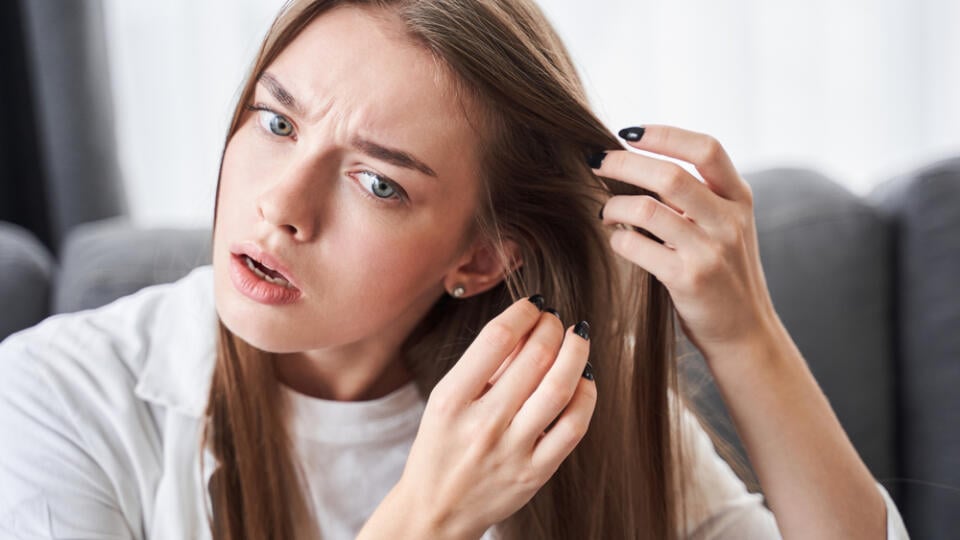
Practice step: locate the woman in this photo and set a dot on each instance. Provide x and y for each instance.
(406, 221)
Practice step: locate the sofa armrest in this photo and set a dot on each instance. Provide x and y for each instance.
(104, 260)
(26, 268)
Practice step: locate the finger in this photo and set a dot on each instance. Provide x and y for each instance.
(572, 424)
(524, 374)
(702, 150)
(676, 187)
(503, 367)
(652, 215)
(659, 260)
(554, 392)
(468, 377)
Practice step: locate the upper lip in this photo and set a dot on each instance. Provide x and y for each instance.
(264, 257)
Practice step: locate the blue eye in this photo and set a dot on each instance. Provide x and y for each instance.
(380, 187)
(271, 121)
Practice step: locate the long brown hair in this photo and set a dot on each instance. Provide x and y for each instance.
(624, 479)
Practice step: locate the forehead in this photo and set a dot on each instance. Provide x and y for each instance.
(358, 66)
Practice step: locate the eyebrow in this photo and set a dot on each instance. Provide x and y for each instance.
(280, 93)
(372, 149)
(392, 155)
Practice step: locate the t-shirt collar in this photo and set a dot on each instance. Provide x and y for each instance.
(181, 353)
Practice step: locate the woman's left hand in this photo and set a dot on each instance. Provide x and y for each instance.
(709, 261)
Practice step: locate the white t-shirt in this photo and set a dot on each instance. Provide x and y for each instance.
(101, 413)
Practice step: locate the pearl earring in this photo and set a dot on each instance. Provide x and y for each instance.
(459, 291)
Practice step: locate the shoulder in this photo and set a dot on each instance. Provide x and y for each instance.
(81, 436)
(105, 350)
(111, 337)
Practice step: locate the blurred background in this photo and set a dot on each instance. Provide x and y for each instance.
(858, 89)
(843, 115)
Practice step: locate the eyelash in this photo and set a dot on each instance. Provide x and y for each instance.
(400, 196)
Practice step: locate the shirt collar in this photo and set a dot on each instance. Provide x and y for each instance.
(181, 349)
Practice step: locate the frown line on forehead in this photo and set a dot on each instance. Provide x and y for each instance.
(391, 155)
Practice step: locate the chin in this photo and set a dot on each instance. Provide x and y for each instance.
(259, 333)
(253, 327)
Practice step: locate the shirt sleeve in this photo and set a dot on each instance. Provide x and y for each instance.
(719, 506)
(50, 487)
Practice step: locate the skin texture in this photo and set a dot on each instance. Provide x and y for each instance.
(369, 269)
(482, 451)
(710, 264)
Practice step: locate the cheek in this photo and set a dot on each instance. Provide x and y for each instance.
(392, 260)
(243, 161)
(242, 166)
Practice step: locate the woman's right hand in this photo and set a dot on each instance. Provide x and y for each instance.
(482, 450)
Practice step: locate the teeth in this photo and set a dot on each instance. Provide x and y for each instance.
(276, 281)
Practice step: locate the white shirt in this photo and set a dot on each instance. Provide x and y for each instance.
(101, 413)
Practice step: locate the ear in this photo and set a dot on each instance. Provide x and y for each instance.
(480, 269)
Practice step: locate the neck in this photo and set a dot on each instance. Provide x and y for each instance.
(346, 380)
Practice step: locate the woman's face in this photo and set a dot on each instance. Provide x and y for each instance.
(357, 173)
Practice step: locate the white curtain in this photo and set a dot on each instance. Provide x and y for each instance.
(858, 89)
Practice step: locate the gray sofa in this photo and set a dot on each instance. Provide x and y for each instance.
(868, 287)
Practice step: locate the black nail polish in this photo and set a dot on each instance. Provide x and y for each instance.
(595, 159)
(600, 215)
(631, 134)
(582, 329)
(555, 312)
(587, 372)
(537, 300)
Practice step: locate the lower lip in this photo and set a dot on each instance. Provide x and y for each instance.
(258, 289)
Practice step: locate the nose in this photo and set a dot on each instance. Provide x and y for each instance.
(291, 202)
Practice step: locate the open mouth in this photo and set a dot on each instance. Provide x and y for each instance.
(266, 273)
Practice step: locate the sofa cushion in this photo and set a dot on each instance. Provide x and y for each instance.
(26, 268)
(104, 260)
(824, 252)
(923, 208)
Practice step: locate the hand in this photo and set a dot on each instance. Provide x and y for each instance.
(481, 451)
(709, 261)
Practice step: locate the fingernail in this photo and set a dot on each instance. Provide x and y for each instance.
(555, 312)
(537, 300)
(595, 159)
(588, 372)
(631, 134)
(600, 215)
(582, 329)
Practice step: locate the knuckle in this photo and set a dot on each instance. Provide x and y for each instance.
(705, 269)
(440, 403)
(730, 231)
(714, 260)
(541, 353)
(485, 430)
(694, 281)
(738, 220)
(646, 209)
(529, 478)
(696, 278)
(569, 434)
(498, 335)
(555, 394)
(748, 195)
(674, 180)
(710, 150)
